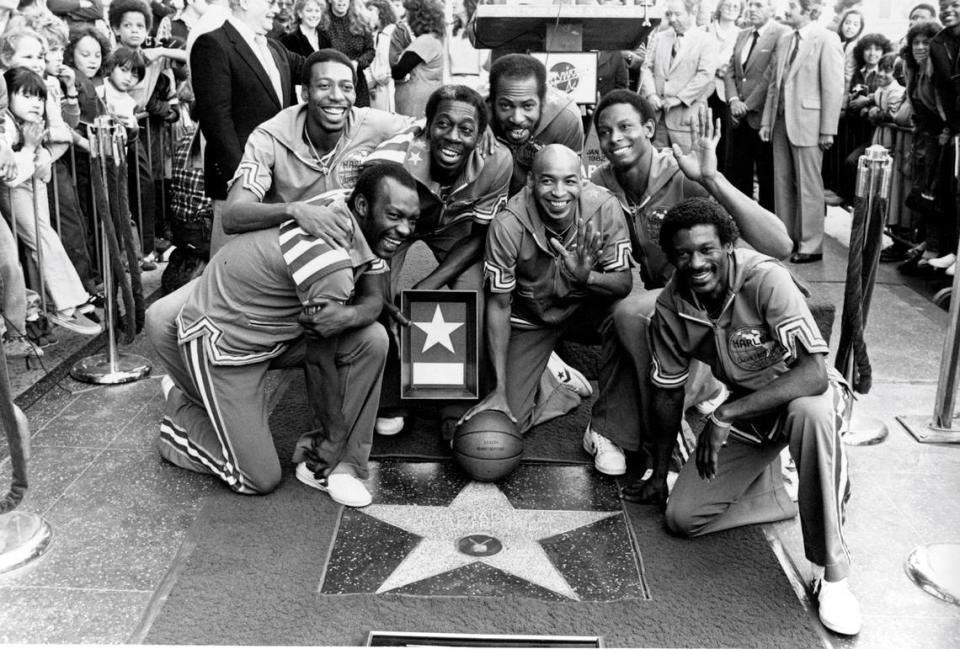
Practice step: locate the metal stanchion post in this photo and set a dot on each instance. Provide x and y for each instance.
(940, 429)
(56, 196)
(113, 367)
(42, 288)
(935, 567)
(24, 536)
(873, 185)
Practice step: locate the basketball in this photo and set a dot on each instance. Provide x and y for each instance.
(488, 446)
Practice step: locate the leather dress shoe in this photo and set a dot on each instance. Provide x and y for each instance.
(805, 258)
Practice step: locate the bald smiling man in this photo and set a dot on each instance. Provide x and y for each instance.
(556, 259)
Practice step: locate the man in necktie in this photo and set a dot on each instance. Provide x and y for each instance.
(746, 87)
(800, 118)
(678, 73)
(240, 78)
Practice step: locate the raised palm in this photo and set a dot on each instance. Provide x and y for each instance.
(700, 163)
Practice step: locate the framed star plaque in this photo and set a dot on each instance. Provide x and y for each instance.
(439, 350)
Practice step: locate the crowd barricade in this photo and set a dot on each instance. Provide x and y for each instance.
(898, 218)
(81, 164)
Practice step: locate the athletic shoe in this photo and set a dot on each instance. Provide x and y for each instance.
(388, 426)
(166, 384)
(20, 347)
(341, 487)
(608, 458)
(944, 262)
(149, 262)
(569, 376)
(76, 322)
(707, 406)
(839, 609)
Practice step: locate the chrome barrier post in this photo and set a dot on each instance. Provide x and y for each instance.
(874, 170)
(42, 288)
(24, 536)
(935, 567)
(114, 367)
(940, 429)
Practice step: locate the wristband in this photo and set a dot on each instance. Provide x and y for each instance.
(719, 423)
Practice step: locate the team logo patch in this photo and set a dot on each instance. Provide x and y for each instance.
(753, 349)
(349, 168)
(649, 222)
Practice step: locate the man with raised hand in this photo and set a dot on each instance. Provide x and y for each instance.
(557, 258)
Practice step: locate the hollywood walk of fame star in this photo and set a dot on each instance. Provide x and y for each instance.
(481, 509)
(438, 331)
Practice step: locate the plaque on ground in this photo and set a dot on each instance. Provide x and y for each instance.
(409, 639)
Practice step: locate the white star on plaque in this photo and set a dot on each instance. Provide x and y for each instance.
(438, 331)
(481, 509)
(414, 157)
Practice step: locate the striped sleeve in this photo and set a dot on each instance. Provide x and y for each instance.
(309, 259)
(500, 256)
(255, 171)
(615, 255)
(786, 313)
(493, 186)
(395, 148)
(671, 365)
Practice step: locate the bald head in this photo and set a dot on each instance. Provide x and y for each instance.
(556, 183)
(555, 156)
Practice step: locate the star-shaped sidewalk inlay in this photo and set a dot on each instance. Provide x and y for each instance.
(482, 509)
(438, 331)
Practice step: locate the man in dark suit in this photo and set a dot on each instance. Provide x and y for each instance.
(746, 85)
(800, 119)
(240, 79)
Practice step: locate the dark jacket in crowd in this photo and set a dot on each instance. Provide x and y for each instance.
(945, 57)
(233, 95)
(296, 42)
(70, 11)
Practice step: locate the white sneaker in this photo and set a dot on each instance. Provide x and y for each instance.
(608, 458)
(707, 406)
(569, 376)
(388, 426)
(341, 487)
(166, 384)
(76, 322)
(943, 262)
(839, 609)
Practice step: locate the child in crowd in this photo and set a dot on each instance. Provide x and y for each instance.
(886, 101)
(123, 70)
(85, 52)
(70, 220)
(26, 196)
(131, 21)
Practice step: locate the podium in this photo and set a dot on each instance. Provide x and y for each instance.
(563, 28)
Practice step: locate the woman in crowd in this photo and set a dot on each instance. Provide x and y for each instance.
(25, 197)
(850, 30)
(420, 69)
(344, 26)
(383, 19)
(928, 125)
(724, 28)
(303, 37)
(857, 102)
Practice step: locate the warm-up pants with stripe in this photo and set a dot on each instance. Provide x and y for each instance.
(216, 417)
(749, 486)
